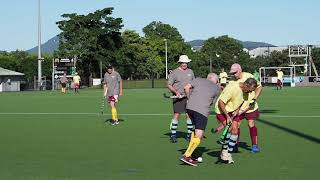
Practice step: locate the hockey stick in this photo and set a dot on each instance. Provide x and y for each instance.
(173, 97)
(226, 129)
(103, 104)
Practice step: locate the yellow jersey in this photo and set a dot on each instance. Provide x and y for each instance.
(76, 79)
(280, 75)
(223, 77)
(232, 96)
(248, 96)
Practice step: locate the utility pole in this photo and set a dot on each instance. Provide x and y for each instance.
(52, 81)
(39, 48)
(166, 47)
(101, 73)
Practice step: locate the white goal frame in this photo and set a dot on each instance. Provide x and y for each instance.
(265, 79)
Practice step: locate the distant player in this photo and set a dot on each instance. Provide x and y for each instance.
(228, 106)
(201, 93)
(177, 80)
(76, 82)
(223, 78)
(112, 90)
(279, 79)
(250, 100)
(63, 82)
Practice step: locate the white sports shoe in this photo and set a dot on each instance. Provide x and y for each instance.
(230, 160)
(226, 156)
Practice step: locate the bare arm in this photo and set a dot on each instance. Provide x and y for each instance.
(105, 90)
(120, 88)
(171, 88)
(187, 89)
(258, 92)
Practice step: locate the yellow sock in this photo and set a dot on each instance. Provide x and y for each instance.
(194, 143)
(114, 113)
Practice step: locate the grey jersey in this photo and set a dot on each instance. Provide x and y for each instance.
(179, 79)
(63, 79)
(113, 83)
(204, 93)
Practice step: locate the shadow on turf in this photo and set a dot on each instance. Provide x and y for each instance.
(197, 152)
(109, 120)
(291, 131)
(180, 135)
(244, 145)
(241, 145)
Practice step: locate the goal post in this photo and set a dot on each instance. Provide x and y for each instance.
(268, 75)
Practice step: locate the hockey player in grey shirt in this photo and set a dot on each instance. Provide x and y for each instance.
(201, 93)
(176, 82)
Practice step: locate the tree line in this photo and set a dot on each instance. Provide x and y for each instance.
(98, 38)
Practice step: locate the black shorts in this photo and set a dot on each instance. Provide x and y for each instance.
(198, 120)
(179, 105)
(63, 85)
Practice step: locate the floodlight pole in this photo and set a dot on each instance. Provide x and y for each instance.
(39, 48)
(166, 47)
(101, 73)
(52, 82)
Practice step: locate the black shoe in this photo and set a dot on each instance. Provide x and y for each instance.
(173, 139)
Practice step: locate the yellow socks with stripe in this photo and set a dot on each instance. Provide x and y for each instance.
(114, 114)
(194, 143)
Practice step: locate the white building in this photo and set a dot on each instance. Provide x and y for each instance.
(10, 80)
(264, 51)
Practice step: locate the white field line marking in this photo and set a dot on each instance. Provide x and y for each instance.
(141, 114)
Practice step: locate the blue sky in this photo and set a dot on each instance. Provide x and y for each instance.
(279, 22)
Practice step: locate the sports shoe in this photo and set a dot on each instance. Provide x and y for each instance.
(230, 160)
(225, 156)
(189, 160)
(114, 123)
(173, 139)
(255, 149)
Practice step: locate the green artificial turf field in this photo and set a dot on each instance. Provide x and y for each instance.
(50, 136)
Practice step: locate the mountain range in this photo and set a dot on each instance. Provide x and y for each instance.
(52, 44)
(46, 48)
(197, 44)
